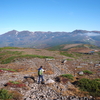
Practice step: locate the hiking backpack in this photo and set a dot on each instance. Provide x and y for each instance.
(40, 72)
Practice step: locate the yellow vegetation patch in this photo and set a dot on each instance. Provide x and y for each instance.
(16, 95)
(49, 72)
(77, 92)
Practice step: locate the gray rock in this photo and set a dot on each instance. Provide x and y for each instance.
(79, 66)
(84, 64)
(27, 98)
(50, 81)
(97, 65)
(81, 73)
(64, 61)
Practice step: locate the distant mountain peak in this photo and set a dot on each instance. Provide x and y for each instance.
(13, 31)
(80, 31)
(40, 39)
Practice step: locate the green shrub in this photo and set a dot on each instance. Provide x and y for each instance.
(9, 56)
(69, 59)
(4, 95)
(97, 79)
(92, 86)
(2, 48)
(8, 60)
(14, 52)
(7, 69)
(58, 47)
(33, 56)
(14, 82)
(87, 72)
(69, 76)
(67, 54)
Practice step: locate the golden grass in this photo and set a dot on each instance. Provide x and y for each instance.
(49, 72)
(16, 95)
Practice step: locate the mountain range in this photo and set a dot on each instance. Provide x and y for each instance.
(41, 39)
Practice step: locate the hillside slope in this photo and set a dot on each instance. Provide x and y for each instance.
(23, 71)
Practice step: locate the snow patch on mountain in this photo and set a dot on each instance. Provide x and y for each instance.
(16, 34)
(52, 36)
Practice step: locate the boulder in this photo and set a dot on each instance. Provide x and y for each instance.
(64, 61)
(81, 73)
(50, 81)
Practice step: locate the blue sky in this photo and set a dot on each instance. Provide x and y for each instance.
(49, 15)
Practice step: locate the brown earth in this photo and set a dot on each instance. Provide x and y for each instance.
(70, 45)
(81, 50)
(42, 52)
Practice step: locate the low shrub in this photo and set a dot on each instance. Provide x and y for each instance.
(5, 95)
(67, 54)
(17, 95)
(12, 70)
(69, 59)
(33, 56)
(14, 57)
(69, 76)
(97, 79)
(15, 84)
(2, 48)
(91, 86)
(8, 60)
(87, 72)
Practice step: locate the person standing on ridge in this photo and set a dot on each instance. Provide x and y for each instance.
(40, 75)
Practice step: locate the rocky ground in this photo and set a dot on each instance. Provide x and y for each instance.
(52, 89)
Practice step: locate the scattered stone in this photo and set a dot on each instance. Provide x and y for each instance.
(79, 66)
(83, 64)
(27, 98)
(97, 65)
(48, 59)
(91, 62)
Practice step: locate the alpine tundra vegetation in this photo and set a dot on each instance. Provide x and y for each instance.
(70, 73)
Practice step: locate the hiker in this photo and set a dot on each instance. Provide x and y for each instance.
(40, 75)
